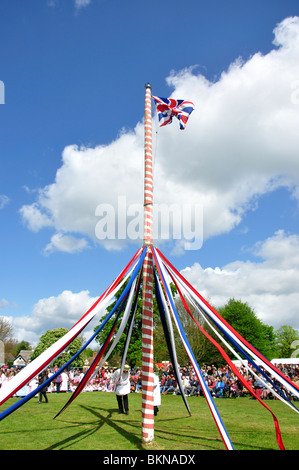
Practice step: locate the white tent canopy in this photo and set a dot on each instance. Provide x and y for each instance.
(287, 360)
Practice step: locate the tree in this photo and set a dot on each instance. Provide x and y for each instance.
(6, 330)
(50, 337)
(22, 346)
(195, 337)
(286, 339)
(161, 352)
(244, 320)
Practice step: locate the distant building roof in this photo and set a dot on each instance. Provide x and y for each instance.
(23, 358)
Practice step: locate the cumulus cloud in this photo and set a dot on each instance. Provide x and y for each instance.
(240, 142)
(65, 243)
(62, 311)
(269, 285)
(87, 179)
(35, 218)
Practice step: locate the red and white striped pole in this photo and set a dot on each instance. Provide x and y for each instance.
(147, 280)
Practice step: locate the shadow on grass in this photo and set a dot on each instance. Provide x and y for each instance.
(205, 443)
(184, 437)
(95, 427)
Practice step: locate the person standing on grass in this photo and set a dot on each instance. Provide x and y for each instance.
(57, 382)
(64, 382)
(157, 394)
(43, 392)
(122, 389)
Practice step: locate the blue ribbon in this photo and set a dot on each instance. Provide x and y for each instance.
(23, 400)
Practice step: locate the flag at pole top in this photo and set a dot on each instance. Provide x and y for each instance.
(168, 107)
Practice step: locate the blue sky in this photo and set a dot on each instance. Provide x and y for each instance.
(74, 75)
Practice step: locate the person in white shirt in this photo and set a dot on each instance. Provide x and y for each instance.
(157, 394)
(122, 389)
(64, 382)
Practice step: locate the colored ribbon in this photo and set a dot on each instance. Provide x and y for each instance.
(119, 305)
(233, 334)
(169, 337)
(218, 421)
(110, 292)
(233, 367)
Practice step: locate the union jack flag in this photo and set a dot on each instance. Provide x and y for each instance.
(168, 107)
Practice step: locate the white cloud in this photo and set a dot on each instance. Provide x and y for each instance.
(82, 3)
(78, 3)
(66, 243)
(4, 303)
(35, 218)
(241, 142)
(269, 286)
(4, 200)
(62, 311)
(87, 178)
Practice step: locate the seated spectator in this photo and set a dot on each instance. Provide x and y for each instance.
(195, 387)
(165, 384)
(258, 383)
(234, 389)
(138, 384)
(170, 385)
(219, 387)
(212, 384)
(186, 386)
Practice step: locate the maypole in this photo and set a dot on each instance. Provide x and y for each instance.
(147, 279)
(144, 259)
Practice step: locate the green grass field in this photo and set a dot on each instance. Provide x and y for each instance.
(91, 422)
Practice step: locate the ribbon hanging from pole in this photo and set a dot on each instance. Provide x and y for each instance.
(228, 346)
(110, 292)
(91, 369)
(198, 309)
(168, 333)
(130, 325)
(124, 321)
(233, 335)
(233, 367)
(218, 421)
(119, 305)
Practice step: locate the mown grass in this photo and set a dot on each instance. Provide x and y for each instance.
(91, 422)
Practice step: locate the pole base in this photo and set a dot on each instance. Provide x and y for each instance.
(149, 438)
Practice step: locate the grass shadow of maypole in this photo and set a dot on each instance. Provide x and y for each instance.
(115, 424)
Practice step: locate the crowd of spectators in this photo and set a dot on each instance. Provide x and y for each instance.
(67, 381)
(221, 381)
